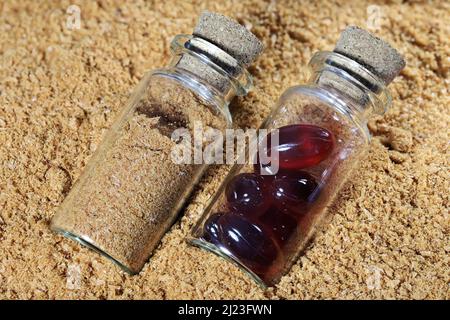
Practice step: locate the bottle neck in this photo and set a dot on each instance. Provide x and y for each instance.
(353, 87)
(207, 69)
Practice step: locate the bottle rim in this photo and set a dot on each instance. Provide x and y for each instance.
(355, 73)
(240, 83)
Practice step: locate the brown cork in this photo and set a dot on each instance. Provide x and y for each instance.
(230, 36)
(372, 52)
(225, 43)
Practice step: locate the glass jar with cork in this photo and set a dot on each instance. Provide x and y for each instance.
(264, 215)
(132, 190)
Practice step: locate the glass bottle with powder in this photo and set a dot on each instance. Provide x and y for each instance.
(132, 189)
(264, 215)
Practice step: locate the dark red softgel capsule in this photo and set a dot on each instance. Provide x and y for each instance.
(293, 191)
(247, 194)
(248, 242)
(300, 146)
(211, 228)
(280, 224)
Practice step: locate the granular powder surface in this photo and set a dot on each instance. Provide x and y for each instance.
(60, 90)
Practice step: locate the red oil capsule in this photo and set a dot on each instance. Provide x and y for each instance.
(211, 229)
(300, 146)
(280, 224)
(248, 242)
(247, 194)
(293, 190)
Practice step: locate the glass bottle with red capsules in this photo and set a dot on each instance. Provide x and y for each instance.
(264, 215)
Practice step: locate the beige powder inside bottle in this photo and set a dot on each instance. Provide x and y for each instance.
(131, 193)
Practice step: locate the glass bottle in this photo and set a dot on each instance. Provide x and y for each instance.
(262, 219)
(132, 190)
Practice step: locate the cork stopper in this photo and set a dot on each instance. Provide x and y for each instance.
(225, 43)
(230, 36)
(380, 62)
(372, 52)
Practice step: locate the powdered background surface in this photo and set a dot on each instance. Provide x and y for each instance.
(60, 90)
